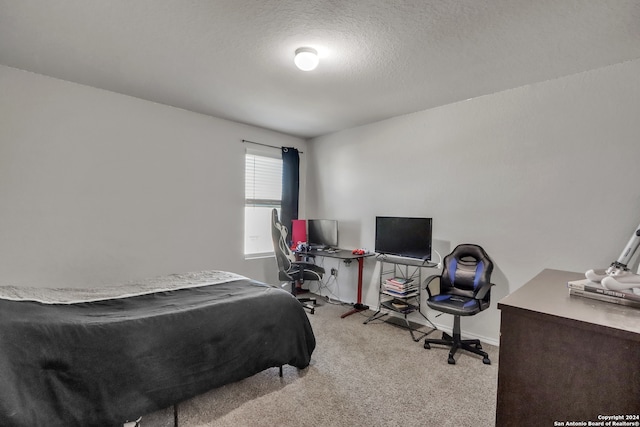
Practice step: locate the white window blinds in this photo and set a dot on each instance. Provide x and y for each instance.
(263, 192)
(263, 180)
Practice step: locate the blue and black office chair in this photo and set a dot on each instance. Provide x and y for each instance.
(465, 290)
(289, 269)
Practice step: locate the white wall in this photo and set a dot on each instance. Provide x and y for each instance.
(98, 187)
(542, 176)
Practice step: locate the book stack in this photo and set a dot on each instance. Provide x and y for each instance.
(400, 287)
(588, 289)
(399, 305)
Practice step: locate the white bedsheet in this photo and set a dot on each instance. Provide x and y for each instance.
(148, 286)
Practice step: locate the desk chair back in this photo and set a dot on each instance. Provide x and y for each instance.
(284, 257)
(467, 271)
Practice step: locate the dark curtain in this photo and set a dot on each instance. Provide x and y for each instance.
(290, 187)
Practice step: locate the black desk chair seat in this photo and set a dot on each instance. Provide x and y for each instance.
(464, 291)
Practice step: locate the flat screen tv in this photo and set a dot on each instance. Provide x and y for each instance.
(322, 233)
(404, 237)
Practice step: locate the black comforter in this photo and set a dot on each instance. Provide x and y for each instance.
(101, 363)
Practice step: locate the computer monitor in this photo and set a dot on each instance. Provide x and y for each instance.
(322, 233)
(404, 237)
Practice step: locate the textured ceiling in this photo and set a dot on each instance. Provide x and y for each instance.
(234, 58)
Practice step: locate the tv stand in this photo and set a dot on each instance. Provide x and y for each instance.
(400, 290)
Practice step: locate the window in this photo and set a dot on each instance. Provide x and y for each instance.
(263, 192)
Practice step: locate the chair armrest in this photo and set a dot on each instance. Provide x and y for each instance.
(428, 281)
(482, 292)
(303, 264)
(300, 267)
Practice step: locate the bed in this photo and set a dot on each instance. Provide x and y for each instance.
(72, 357)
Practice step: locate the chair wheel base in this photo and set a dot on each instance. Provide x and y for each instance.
(456, 343)
(309, 303)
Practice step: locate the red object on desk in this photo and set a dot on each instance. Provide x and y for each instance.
(298, 231)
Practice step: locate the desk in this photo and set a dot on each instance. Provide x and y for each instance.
(348, 256)
(565, 358)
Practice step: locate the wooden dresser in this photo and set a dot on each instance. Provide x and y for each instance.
(565, 358)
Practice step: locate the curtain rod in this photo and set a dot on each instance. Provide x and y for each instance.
(265, 145)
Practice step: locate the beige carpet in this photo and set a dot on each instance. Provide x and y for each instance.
(360, 375)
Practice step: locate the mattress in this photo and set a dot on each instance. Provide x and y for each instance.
(74, 358)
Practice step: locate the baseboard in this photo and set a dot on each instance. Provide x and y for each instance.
(448, 329)
(468, 335)
(444, 328)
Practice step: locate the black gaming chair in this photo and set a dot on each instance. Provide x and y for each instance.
(465, 290)
(290, 270)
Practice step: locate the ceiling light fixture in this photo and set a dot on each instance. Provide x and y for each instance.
(306, 58)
